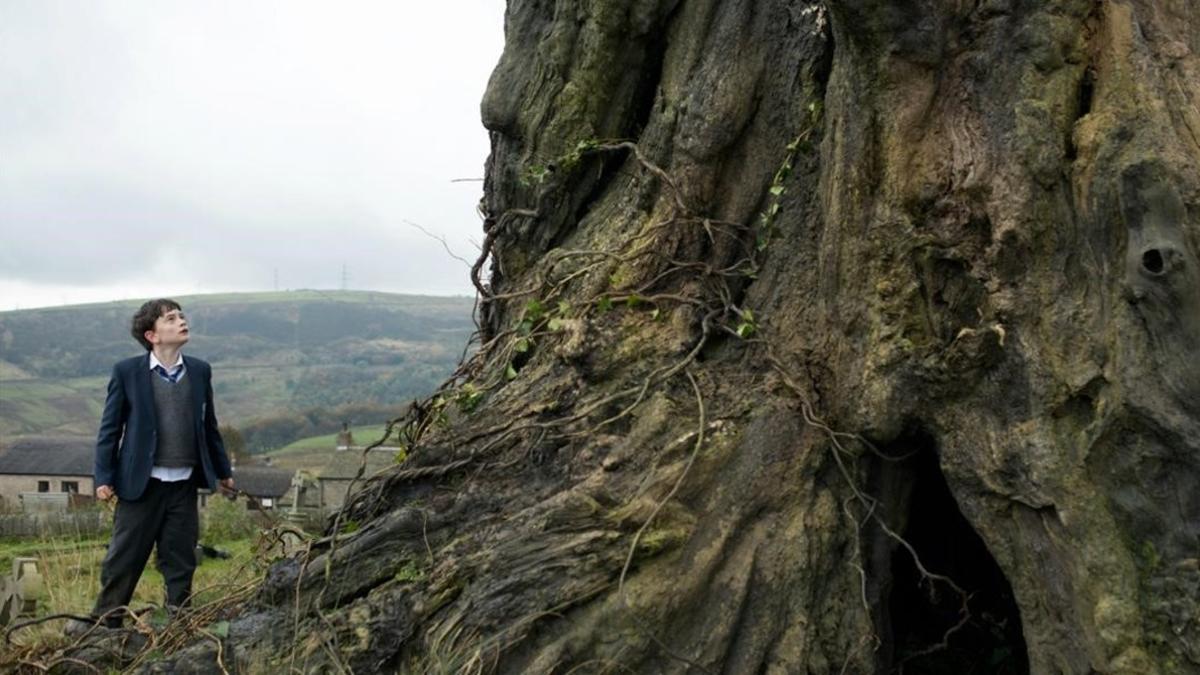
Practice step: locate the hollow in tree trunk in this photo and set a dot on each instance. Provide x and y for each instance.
(816, 337)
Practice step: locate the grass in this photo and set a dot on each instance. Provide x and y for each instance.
(68, 405)
(12, 548)
(362, 436)
(316, 452)
(10, 371)
(70, 569)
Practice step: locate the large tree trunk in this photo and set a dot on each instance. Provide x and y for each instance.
(765, 279)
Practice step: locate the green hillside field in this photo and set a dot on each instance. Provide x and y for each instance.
(316, 452)
(284, 364)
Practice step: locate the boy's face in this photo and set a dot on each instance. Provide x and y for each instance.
(170, 330)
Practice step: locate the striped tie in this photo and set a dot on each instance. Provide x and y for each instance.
(172, 377)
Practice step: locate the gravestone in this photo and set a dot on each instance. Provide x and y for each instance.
(19, 591)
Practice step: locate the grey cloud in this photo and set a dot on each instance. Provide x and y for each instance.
(237, 138)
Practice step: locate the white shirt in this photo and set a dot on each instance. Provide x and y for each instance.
(178, 364)
(170, 474)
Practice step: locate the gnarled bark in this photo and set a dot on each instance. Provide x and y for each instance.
(981, 248)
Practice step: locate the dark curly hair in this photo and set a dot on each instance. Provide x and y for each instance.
(146, 315)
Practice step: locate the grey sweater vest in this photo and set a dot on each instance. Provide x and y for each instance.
(176, 423)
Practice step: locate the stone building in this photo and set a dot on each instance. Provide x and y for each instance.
(335, 478)
(46, 465)
(266, 484)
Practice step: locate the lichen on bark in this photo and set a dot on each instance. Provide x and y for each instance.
(984, 247)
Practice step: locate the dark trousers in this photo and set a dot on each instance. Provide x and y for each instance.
(165, 517)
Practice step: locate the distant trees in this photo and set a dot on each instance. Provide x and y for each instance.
(273, 356)
(336, 330)
(235, 443)
(277, 431)
(344, 385)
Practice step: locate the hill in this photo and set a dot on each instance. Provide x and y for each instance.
(275, 356)
(315, 453)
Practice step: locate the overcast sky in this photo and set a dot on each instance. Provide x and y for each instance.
(167, 147)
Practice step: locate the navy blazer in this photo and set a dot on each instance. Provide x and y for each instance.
(128, 434)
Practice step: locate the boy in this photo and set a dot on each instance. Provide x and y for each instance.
(158, 442)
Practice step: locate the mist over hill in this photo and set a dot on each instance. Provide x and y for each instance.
(276, 357)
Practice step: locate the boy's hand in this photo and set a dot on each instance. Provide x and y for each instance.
(104, 493)
(227, 485)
